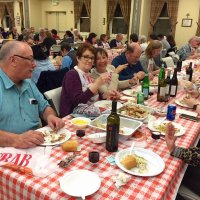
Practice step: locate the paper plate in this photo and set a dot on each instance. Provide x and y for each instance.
(80, 183)
(107, 104)
(49, 138)
(155, 164)
(180, 103)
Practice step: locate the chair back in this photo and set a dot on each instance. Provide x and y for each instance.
(49, 80)
(53, 97)
(169, 62)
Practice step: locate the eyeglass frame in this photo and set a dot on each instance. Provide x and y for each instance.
(87, 58)
(26, 58)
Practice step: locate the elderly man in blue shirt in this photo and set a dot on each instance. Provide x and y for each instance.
(21, 104)
(130, 57)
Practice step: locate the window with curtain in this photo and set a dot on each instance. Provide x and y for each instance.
(163, 23)
(7, 22)
(84, 20)
(118, 24)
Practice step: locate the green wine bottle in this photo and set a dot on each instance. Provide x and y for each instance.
(145, 86)
(161, 85)
(113, 123)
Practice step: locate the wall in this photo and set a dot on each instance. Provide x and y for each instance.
(184, 33)
(98, 14)
(144, 17)
(35, 14)
(64, 5)
(17, 16)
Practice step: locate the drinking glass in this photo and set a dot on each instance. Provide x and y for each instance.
(94, 156)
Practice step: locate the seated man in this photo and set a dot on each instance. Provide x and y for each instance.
(21, 103)
(117, 43)
(69, 56)
(131, 57)
(188, 50)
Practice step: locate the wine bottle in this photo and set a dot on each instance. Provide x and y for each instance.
(179, 64)
(113, 122)
(174, 84)
(145, 86)
(189, 72)
(161, 85)
(167, 89)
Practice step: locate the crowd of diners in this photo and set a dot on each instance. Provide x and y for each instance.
(89, 79)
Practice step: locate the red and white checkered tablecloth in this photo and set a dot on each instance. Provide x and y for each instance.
(23, 187)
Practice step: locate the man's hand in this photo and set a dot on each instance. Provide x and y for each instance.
(28, 139)
(54, 122)
(140, 75)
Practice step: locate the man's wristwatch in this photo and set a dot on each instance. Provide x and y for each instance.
(195, 106)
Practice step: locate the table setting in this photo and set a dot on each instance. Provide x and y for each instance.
(142, 168)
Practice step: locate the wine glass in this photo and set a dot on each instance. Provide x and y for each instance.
(94, 156)
(80, 133)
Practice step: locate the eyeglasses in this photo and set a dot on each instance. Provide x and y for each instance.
(88, 58)
(26, 58)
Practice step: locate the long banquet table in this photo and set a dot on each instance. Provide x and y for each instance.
(163, 186)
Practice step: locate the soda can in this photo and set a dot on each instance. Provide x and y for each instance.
(171, 112)
(140, 98)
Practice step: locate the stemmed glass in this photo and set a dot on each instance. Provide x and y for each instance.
(80, 133)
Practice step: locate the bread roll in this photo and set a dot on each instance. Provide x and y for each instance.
(129, 161)
(70, 145)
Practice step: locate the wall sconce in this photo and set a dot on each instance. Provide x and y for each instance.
(71, 11)
(104, 20)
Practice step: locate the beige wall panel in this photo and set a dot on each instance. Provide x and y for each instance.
(35, 14)
(98, 14)
(145, 17)
(66, 22)
(184, 33)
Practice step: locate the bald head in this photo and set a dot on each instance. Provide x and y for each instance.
(11, 48)
(133, 53)
(194, 42)
(133, 47)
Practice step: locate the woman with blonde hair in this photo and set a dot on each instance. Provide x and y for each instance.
(147, 58)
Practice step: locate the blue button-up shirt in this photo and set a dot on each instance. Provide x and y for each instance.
(18, 111)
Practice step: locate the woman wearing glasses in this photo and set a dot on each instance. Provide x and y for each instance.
(78, 85)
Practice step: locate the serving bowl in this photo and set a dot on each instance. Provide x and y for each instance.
(127, 126)
(80, 122)
(97, 137)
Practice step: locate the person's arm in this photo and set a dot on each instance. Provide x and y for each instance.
(66, 62)
(24, 140)
(190, 156)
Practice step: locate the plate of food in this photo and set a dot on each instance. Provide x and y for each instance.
(131, 92)
(140, 162)
(181, 102)
(161, 126)
(52, 137)
(106, 104)
(134, 111)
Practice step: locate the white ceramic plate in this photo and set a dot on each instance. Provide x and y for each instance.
(48, 138)
(107, 104)
(155, 164)
(80, 183)
(130, 92)
(178, 102)
(153, 124)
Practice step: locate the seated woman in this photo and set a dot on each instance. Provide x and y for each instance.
(104, 41)
(92, 39)
(78, 85)
(102, 66)
(42, 62)
(147, 58)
